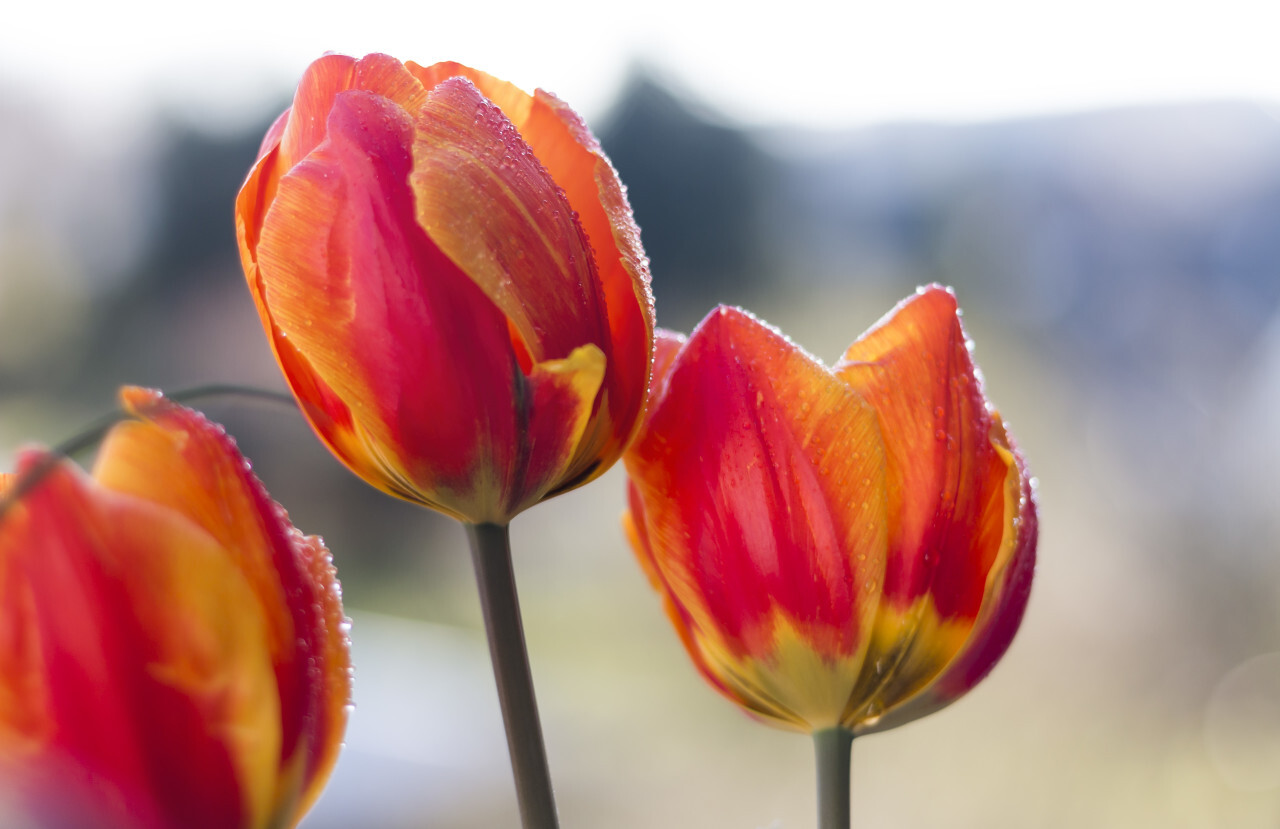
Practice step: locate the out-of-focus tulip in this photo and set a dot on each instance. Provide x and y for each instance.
(847, 548)
(450, 277)
(173, 653)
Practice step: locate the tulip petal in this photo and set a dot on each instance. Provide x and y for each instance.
(305, 129)
(390, 79)
(178, 460)
(1009, 581)
(514, 102)
(666, 345)
(562, 395)
(947, 495)
(341, 246)
(915, 368)
(24, 718)
(143, 622)
(741, 512)
(573, 158)
(486, 200)
(329, 671)
(1004, 602)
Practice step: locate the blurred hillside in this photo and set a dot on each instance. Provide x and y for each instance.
(1120, 274)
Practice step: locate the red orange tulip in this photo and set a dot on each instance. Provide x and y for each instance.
(844, 548)
(450, 278)
(173, 653)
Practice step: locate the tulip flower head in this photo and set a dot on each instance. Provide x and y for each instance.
(449, 275)
(173, 653)
(837, 548)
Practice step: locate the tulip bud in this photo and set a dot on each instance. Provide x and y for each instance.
(847, 548)
(449, 275)
(173, 653)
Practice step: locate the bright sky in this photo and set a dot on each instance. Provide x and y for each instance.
(797, 61)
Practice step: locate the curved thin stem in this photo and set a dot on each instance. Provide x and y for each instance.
(491, 554)
(231, 390)
(97, 429)
(832, 750)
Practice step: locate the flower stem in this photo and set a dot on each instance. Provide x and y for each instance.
(491, 554)
(832, 749)
(92, 434)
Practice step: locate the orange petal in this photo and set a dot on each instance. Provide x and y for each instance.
(142, 622)
(562, 395)
(176, 459)
(573, 157)
(485, 199)
(514, 102)
(914, 368)
(568, 151)
(388, 77)
(769, 503)
(320, 84)
(1004, 601)
(342, 246)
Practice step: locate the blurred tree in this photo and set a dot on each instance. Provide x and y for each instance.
(696, 186)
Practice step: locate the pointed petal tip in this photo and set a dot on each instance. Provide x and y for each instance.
(138, 399)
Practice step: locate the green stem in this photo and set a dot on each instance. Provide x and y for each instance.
(832, 749)
(491, 554)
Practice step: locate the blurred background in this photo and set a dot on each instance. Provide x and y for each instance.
(1099, 183)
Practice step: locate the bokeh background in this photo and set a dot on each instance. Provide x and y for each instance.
(1099, 183)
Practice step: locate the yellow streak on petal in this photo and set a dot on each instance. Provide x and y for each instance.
(950, 644)
(24, 719)
(146, 459)
(887, 683)
(182, 584)
(488, 203)
(581, 374)
(792, 686)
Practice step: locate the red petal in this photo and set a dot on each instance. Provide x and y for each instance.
(117, 719)
(770, 500)
(320, 84)
(1009, 585)
(571, 155)
(1005, 600)
(947, 479)
(342, 245)
(177, 459)
(561, 396)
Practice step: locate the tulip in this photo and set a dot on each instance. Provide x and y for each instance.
(840, 549)
(450, 278)
(173, 653)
